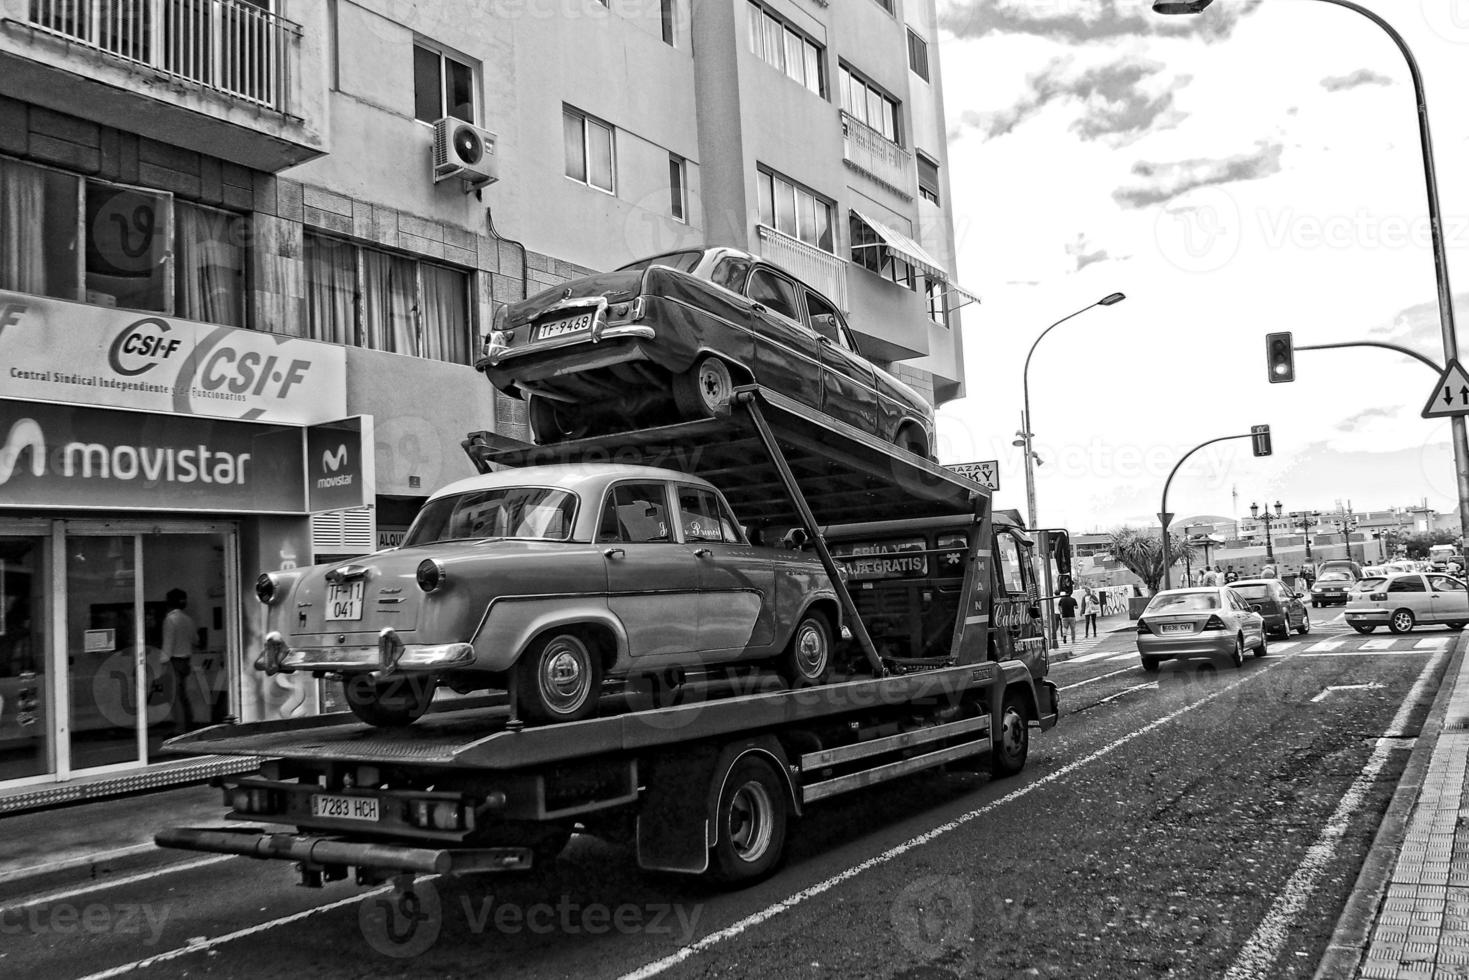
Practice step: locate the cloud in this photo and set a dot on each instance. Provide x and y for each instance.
(1355, 422)
(1080, 21)
(1162, 182)
(1360, 77)
(1419, 326)
(1117, 104)
(1084, 254)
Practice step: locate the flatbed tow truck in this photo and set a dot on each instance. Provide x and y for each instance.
(706, 776)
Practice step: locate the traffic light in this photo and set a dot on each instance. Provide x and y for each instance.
(1260, 439)
(1280, 357)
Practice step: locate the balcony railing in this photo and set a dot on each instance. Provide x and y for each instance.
(231, 46)
(875, 155)
(816, 268)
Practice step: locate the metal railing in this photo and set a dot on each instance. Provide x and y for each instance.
(815, 267)
(231, 46)
(871, 152)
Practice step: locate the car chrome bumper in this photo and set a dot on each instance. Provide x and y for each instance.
(495, 356)
(1212, 644)
(390, 653)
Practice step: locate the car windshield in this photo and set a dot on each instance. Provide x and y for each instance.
(1257, 590)
(538, 513)
(682, 261)
(1334, 576)
(1176, 602)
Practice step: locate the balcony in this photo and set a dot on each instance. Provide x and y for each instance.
(818, 269)
(224, 77)
(868, 151)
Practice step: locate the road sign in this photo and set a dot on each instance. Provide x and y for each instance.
(1451, 395)
(985, 473)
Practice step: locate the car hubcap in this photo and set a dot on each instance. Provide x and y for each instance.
(714, 384)
(1402, 622)
(564, 675)
(749, 821)
(811, 651)
(1011, 732)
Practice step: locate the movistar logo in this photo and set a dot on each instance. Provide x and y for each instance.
(333, 461)
(24, 434)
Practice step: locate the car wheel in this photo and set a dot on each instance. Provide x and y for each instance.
(1363, 627)
(706, 390)
(1264, 646)
(807, 658)
(1011, 739)
(390, 703)
(1237, 656)
(558, 679)
(1455, 626)
(750, 823)
(1150, 664)
(552, 421)
(1402, 621)
(911, 438)
(1305, 626)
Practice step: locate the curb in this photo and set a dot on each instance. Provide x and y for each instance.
(1354, 927)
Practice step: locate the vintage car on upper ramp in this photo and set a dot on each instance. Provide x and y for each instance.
(547, 581)
(670, 337)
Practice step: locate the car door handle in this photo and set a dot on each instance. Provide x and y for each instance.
(702, 552)
(615, 553)
(757, 307)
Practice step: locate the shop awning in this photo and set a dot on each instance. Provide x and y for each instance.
(907, 248)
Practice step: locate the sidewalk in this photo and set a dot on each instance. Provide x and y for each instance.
(1106, 627)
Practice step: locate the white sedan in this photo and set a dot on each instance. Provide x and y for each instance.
(1402, 601)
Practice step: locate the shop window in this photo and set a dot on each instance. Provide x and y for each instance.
(442, 86)
(589, 150)
(365, 297)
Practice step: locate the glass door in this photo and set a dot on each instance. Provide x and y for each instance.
(26, 745)
(107, 676)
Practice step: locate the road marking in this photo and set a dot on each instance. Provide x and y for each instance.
(1432, 643)
(115, 882)
(1326, 645)
(1086, 657)
(1131, 654)
(785, 905)
(1093, 680)
(1378, 644)
(1140, 687)
(1367, 653)
(1286, 645)
(1264, 946)
(1346, 687)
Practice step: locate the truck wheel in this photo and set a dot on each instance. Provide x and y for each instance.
(558, 679)
(706, 390)
(1011, 738)
(392, 703)
(751, 823)
(807, 659)
(552, 421)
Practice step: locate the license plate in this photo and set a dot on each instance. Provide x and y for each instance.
(560, 328)
(345, 601)
(345, 807)
(1178, 628)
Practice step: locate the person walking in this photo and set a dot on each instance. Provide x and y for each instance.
(1067, 607)
(1230, 576)
(1091, 607)
(180, 639)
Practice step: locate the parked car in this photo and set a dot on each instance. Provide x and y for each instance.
(670, 337)
(1280, 605)
(1403, 601)
(1207, 622)
(549, 580)
(1331, 587)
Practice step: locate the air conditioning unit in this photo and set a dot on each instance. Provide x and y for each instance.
(464, 151)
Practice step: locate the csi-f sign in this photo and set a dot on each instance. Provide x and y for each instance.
(1280, 358)
(1260, 439)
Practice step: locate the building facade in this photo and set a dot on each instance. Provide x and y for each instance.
(246, 265)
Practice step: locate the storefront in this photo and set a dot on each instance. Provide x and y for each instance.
(151, 465)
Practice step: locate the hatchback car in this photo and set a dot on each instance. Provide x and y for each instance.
(545, 581)
(1208, 622)
(1278, 603)
(1332, 586)
(670, 337)
(1403, 601)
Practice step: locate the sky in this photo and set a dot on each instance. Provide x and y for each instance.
(1250, 169)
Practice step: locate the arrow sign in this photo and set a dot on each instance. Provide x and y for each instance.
(986, 472)
(1450, 396)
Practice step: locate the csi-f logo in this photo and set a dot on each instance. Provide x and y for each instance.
(142, 346)
(333, 461)
(24, 434)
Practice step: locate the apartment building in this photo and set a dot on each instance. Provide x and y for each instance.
(248, 249)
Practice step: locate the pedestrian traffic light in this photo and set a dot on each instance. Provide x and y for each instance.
(1280, 357)
(1260, 439)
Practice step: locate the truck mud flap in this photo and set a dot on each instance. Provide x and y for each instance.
(325, 851)
(1050, 704)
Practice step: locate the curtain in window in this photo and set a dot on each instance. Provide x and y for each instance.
(209, 269)
(22, 227)
(331, 286)
(388, 285)
(444, 313)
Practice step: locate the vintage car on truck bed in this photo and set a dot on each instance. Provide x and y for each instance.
(671, 336)
(545, 581)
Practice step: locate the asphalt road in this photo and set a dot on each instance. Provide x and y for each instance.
(1188, 823)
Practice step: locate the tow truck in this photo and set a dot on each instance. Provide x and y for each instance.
(708, 776)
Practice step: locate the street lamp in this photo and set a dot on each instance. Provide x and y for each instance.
(1305, 520)
(1255, 512)
(1435, 226)
(1026, 433)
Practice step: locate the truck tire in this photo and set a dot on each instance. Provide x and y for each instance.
(1011, 737)
(558, 679)
(704, 391)
(392, 703)
(750, 823)
(807, 658)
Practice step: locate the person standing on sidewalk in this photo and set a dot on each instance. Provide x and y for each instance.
(1066, 605)
(180, 637)
(1090, 609)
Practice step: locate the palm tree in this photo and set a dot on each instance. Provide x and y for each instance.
(1141, 552)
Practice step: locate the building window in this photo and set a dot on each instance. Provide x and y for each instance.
(918, 55)
(872, 253)
(934, 293)
(678, 187)
(442, 86)
(589, 157)
(885, 5)
(868, 104)
(786, 49)
(209, 255)
(365, 297)
(665, 14)
(928, 179)
(795, 211)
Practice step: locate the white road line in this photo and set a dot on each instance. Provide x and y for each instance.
(1093, 680)
(1084, 658)
(72, 864)
(785, 905)
(1378, 644)
(1284, 646)
(115, 882)
(1326, 692)
(1129, 655)
(1326, 645)
(1140, 687)
(1368, 653)
(1259, 954)
(1432, 643)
